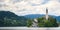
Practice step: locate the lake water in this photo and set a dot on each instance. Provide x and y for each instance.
(29, 28)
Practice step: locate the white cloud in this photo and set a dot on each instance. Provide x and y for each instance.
(54, 7)
(24, 7)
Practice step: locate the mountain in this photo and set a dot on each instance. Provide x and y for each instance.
(58, 18)
(32, 16)
(8, 18)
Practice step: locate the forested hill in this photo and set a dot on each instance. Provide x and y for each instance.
(10, 19)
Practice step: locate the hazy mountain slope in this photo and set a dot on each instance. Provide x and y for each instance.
(32, 16)
(10, 19)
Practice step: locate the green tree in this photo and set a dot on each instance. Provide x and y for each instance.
(51, 22)
(29, 23)
(41, 22)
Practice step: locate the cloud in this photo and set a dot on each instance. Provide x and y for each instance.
(54, 7)
(24, 7)
(15, 1)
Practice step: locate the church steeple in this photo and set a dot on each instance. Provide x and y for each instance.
(46, 14)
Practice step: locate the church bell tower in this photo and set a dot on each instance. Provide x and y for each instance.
(46, 14)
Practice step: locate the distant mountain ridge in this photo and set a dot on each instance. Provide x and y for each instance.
(32, 16)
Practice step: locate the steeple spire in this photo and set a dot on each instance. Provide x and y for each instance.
(46, 14)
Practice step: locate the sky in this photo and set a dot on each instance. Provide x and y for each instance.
(25, 7)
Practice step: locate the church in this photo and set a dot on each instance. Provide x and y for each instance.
(45, 21)
(35, 22)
